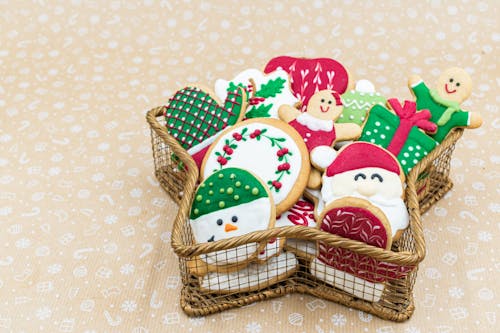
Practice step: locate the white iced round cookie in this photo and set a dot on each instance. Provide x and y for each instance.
(270, 149)
(231, 202)
(271, 91)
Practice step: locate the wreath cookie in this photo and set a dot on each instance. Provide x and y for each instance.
(270, 149)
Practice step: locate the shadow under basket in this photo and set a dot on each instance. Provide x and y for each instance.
(384, 287)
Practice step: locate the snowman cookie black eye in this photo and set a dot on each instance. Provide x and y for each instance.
(379, 177)
(234, 219)
(219, 222)
(359, 175)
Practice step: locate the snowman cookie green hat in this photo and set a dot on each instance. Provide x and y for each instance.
(231, 202)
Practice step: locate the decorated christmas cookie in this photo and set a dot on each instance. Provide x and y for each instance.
(400, 132)
(268, 147)
(266, 93)
(318, 129)
(453, 87)
(231, 202)
(367, 171)
(302, 213)
(254, 276)
(273, 248)
(359, 220)
(358, 102)
(309, 76)
(194, 117)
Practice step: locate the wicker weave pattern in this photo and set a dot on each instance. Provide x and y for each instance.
(178, 174)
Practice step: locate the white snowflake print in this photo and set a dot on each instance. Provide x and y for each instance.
(4, 211)
(98, 177)
(129, 306)
(484, 236)
(338, 319)
(456, 292)
(136, 193)
(412, 329)
(54, 268)
(103, 146)
(43, 313)
(127, 269)
(23, 243)
(197, 321)
(57, 157)
(253, 327)
(110, 219)
(54, 171)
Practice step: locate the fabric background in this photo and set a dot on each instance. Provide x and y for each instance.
(84, 225)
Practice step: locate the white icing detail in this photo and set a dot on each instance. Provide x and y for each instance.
(365, 86)
(377, 123)
(368, 133)
(308, 134)
(358, 287)
(313, 123)
(205, 143)
(417, 83)
(304, 247)
(323, 156)
(285, 97)
(271, 250)
(253, 276)
(382, 136)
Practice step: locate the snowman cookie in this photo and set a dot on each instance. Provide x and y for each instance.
(318, 128)
(453, 87)
(265, 92)
(268, 147)
(194, 117)
(366, 171)
(358, 102)
(229, 203)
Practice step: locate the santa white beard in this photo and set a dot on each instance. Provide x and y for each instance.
(393, 208)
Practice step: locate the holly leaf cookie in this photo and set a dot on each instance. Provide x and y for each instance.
(309, 76)
(266, 93)
(231, 202)
(194, 117)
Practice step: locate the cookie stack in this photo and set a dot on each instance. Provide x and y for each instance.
(300, 144)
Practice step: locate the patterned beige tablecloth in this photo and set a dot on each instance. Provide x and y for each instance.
(84, 225)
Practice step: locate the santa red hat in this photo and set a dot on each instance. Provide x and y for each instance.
(359, 155)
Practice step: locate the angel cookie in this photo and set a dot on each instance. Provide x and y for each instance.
(194, 117)
(229, 203)
(453, 87)
(265, 92)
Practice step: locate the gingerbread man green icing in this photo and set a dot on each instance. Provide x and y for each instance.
(453, 87)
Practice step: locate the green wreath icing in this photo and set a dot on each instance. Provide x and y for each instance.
(226, 188)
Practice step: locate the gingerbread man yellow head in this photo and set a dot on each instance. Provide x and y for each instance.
(325, 105)
(454, 84)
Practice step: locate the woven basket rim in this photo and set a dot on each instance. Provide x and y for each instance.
(189, 250)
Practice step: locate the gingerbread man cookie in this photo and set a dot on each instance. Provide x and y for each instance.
(318, 128)
(453, 87)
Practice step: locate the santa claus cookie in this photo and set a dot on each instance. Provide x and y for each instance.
(358, 102)
(309, 76)
(194, 117)
(453, 87)
(367, 171)
(318, 128)
(268, 147)
(231, 202)
(266, 93)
